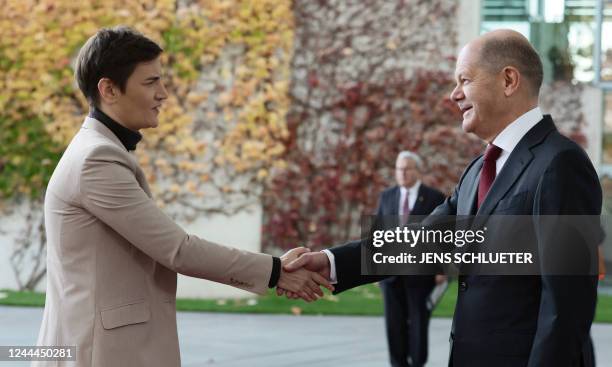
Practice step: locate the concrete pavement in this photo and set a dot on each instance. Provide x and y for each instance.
(230, 340)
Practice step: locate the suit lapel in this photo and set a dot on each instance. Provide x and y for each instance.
(467, 195)
(140, 177)
(417, 209)
(514, 166)
(519, 159)
(394, 203)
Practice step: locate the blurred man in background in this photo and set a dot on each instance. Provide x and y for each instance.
(405, 297)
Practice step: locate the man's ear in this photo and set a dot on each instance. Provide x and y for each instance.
(512, 80)
(109, 92)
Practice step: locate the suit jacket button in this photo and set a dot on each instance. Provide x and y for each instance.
(463, 286)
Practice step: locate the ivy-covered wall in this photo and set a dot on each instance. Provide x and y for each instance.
(227, 67)
(369, 79)
(221, 130)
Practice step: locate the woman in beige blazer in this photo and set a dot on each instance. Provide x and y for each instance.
(112, 255)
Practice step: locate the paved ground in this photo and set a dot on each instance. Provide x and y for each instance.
(230, 340)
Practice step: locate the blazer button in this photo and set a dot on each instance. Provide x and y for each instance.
(463, 286)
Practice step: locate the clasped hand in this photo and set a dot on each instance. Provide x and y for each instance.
(303, 273)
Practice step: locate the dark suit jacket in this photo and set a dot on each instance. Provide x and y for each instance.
(534, 321)
(427, 200)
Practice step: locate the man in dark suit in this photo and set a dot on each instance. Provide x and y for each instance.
(406, 312)
(528, 168)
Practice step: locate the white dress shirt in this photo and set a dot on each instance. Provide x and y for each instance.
(506, 140)
(413, 192)
(513, 133)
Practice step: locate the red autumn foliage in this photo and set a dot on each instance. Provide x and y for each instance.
(319, 198)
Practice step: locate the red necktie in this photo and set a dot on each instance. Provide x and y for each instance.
(487, 174)
(406, 208)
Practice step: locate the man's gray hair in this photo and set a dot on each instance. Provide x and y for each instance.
(408, 154)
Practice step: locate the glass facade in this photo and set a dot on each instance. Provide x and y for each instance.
(607, 129)
(605, 36)
(563, 32)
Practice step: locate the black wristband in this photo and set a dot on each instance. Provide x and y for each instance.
(275, 275)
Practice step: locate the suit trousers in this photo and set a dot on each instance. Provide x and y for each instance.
(407, 321)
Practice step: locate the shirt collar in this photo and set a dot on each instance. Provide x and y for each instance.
(128, 138)
(513, 133)
(414, 189)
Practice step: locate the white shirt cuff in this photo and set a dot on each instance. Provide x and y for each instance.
(333, 279)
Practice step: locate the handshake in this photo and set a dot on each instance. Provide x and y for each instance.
(303, 273)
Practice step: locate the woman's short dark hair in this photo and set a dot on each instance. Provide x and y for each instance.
(112, 53)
